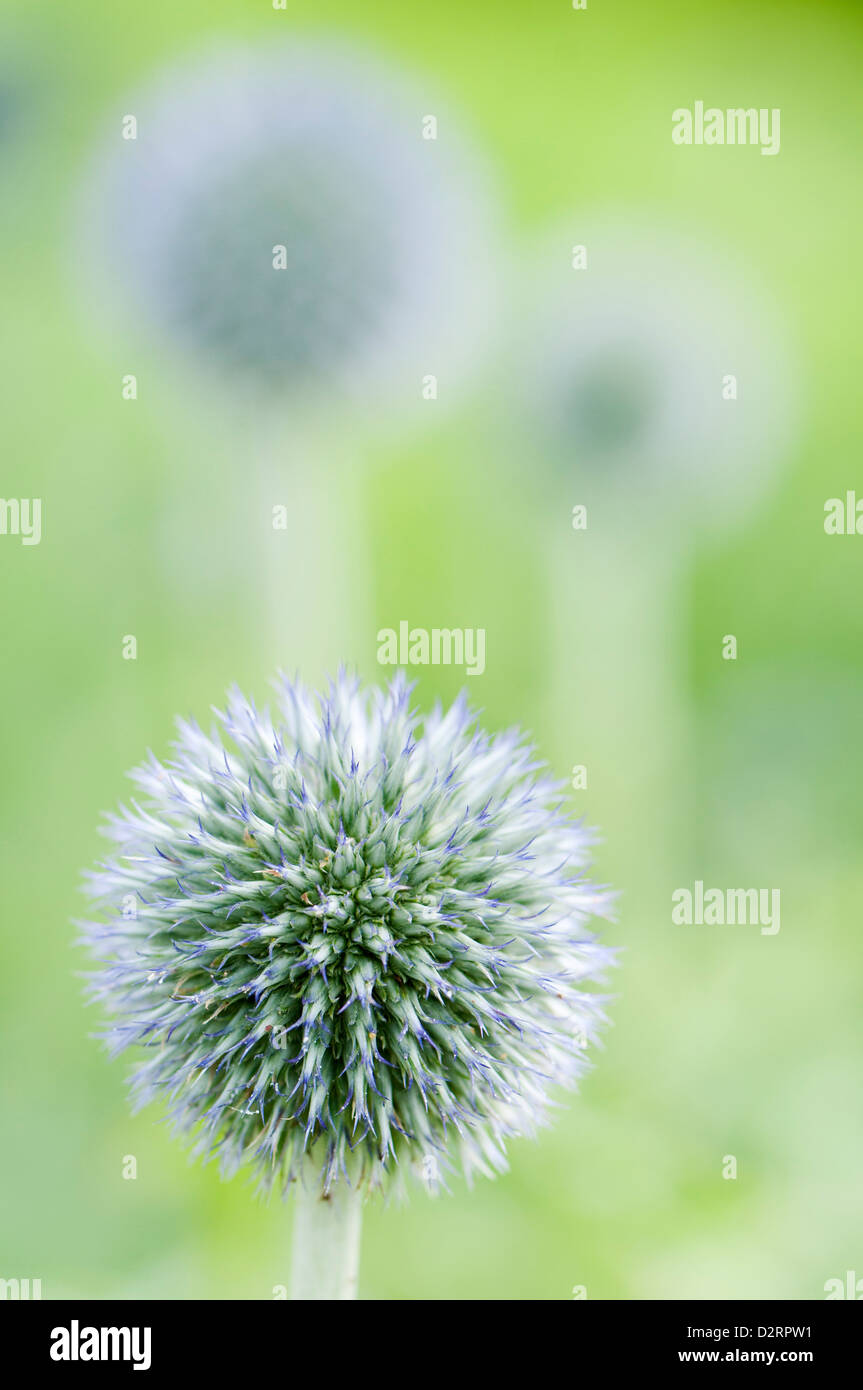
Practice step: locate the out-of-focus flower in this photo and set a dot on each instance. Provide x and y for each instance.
(284, 226)
(350, 933)
(656, 372)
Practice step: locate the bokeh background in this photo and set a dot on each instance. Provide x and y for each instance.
(605, 643)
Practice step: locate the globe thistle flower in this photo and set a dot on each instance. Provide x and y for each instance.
(287, 232)
(348, 939)
(658, 372)
(290, 245)
(655, 390)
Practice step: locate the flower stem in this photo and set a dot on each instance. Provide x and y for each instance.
(326, 1252)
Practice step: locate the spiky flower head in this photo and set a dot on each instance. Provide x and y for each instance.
(345, 931)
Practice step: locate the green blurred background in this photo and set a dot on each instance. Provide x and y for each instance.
(725, 1042)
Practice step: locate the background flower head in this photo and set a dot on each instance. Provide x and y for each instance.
(657, 371)
(284, 228)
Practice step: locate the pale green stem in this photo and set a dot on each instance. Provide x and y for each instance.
(326, 1253)
(313, 584)
(618, 689)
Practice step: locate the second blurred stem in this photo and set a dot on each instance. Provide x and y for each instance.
(619, 689)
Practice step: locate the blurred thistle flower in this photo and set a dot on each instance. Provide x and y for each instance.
(651, 396)
(316, 148)
(657, 372)
(302, 260)
(349, 937)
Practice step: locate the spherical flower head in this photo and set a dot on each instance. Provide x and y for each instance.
(282, 226)
(633, 373)
(349, 936)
